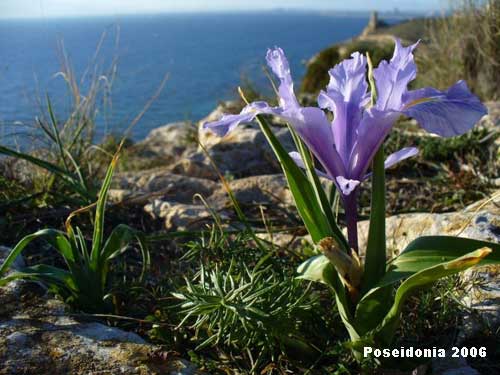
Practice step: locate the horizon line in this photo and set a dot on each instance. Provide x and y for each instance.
(394, 12)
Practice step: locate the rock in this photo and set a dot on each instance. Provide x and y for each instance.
(178, 216)
(195, 164)
(37, 336)
(492, 120)
(452, 366)
(255, 190)
(480, 221)
(170, 140)
(267, 190)
(161, 184)
(482, 299)
(243, 152)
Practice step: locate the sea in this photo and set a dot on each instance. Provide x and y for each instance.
(203, 57)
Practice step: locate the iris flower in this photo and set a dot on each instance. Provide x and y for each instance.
(345, 147)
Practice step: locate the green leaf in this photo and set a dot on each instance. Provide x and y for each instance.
(56, 133)
(38, 162)
(56, 279)
(303, 193)
(425, 277)
(100, 210)
(428, 251)
(117, 242)
(376, 246)
(52, 235)
(319, 269)
(65, 175)
(372, 308)
(320, 194)
(422, 253)
(313, 269)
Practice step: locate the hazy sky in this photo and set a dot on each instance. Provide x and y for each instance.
(50, 8)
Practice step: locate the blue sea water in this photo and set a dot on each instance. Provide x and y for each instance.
(205, 56)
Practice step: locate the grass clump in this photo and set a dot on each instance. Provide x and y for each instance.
(465, 45)
(84, 282)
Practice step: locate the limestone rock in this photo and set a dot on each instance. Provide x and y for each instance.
(195, 164)
(179, 216)
(255, 190)
(480, 221)
(161, 184)
(482, 298)
(170, 140)
(492, 120)
(244, 151)
(267, 190)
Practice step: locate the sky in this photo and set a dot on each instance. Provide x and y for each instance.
(61, 8)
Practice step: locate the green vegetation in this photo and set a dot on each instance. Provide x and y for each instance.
(84, 284)
(410, 31)
(466, 46)
(469, 163)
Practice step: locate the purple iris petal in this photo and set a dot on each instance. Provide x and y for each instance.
(347, 186)
(345, 96)
(312, 125)
(392, 78)
(229, 122)
(278, 63)
(449, 113)
(372, 131)
(396, 157)
(297, 158)
(400, 155)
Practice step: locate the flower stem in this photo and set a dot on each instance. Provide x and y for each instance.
(351, 215)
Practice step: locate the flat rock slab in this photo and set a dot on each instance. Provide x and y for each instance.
(480, 221)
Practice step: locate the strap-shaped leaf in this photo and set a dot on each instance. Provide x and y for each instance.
(100, 210)
(52, 235)
(376, 246)
(428, 251)
(117, 242)
(385, 331)
(49, 275)
(421, 254)
(65, 175)
(320, 194)
(319, 269)
(303, 193)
